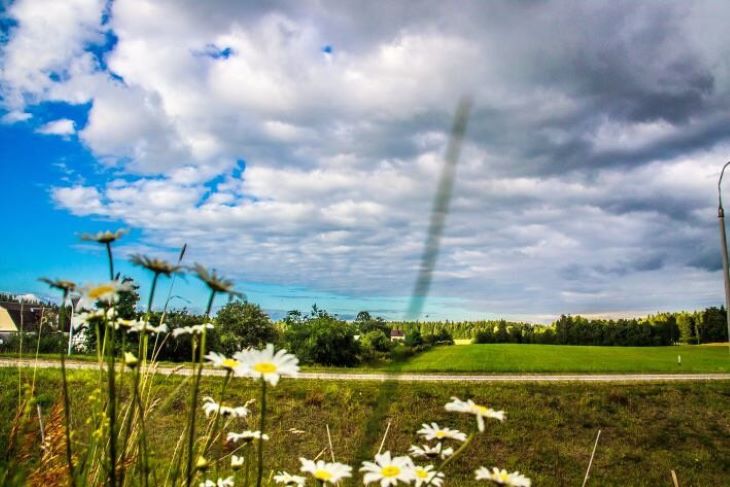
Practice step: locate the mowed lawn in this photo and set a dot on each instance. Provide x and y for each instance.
(522, 358)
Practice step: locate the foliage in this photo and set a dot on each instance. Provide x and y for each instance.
(242, 325)
(323, 339)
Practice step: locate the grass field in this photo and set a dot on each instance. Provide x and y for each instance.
(520, 358)
(647, 430)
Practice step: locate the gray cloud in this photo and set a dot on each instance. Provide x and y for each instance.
(586, 184)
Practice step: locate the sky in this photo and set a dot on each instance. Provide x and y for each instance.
(296, 148)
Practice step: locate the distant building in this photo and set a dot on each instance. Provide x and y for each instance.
(14, 316)
(7, 325)
(397, 335)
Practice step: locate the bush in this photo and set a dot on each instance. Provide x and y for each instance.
(325, 340)
(243, 325)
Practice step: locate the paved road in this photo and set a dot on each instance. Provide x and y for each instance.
(186, 370)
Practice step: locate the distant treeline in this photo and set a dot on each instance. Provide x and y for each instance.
(704, 326)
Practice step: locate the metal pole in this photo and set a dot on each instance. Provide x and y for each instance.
(723, 242)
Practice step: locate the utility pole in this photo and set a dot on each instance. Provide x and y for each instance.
(723, 242)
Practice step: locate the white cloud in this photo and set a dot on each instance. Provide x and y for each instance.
(15, 116)
(586, 180)
(62, 126)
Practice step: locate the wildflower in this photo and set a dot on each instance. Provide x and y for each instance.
(329, 473)
(435, 432)
(428, 476)
(107, 293)
(481, 412)
(192, 330)
(106, 237)
(214, 282)
(388, 471)
(289, 479)
(431, 452)
(202, 464)
(60, 284)
(246, 436)
(502, 477)
(236, 462)
(157, 266)
(266, 364)
(146, 327)
(221, 361)
(130, 360)
(226, 482)
(210, 406)
(122, 324)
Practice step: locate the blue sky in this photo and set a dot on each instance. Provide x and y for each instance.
(296, 148)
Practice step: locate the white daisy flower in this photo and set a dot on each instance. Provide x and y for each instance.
(289, 479)
(266, 364)
(107, 293)
(388, 471)
(481, 412)
(502, 477)
(210, 406)
(431, 452)
(434, 432)
(236, 462)
(329, 473)
(192, 330)
(144, 327)
(246, 436)
(221, 361)
(428, 476)
(226, 482)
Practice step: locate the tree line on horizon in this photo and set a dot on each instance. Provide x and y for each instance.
(661, 329)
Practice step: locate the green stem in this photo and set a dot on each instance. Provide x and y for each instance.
(67, 422)
(111, 260)
(194, 398)
(260, 473)
(449, 459)
(214, 431)
(111, 407)
(143, 434)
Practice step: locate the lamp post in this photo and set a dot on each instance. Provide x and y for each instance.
(723, 242)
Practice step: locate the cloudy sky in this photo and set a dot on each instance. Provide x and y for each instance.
(296, 147)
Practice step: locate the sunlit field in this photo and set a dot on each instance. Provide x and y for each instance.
(521, 358)
(647, 429)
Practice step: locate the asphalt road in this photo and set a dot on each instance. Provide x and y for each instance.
(406, 377)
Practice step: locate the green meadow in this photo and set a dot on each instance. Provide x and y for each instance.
(523, 358)
(647, 429)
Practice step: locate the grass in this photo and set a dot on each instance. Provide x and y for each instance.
(648, 429)
(520, 358)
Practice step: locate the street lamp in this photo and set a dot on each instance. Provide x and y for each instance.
(723, 242)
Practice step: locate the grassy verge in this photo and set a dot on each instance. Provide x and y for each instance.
(521, 358)
(648, 429)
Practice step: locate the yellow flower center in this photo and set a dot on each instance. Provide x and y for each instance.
(266, 368)
(229, 363)
(421, 473)
(440, 434)
(481, 410)
(503, 476)
(322, 474)
(100, 291)
(390, 471)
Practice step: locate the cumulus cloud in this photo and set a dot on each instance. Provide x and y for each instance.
(586, 182)
(62, 126)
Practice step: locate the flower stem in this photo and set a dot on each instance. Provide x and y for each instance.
(66, 405)
(111, 260)
(262, 423)
(214, 431)
(449, 459)
(194, 398)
